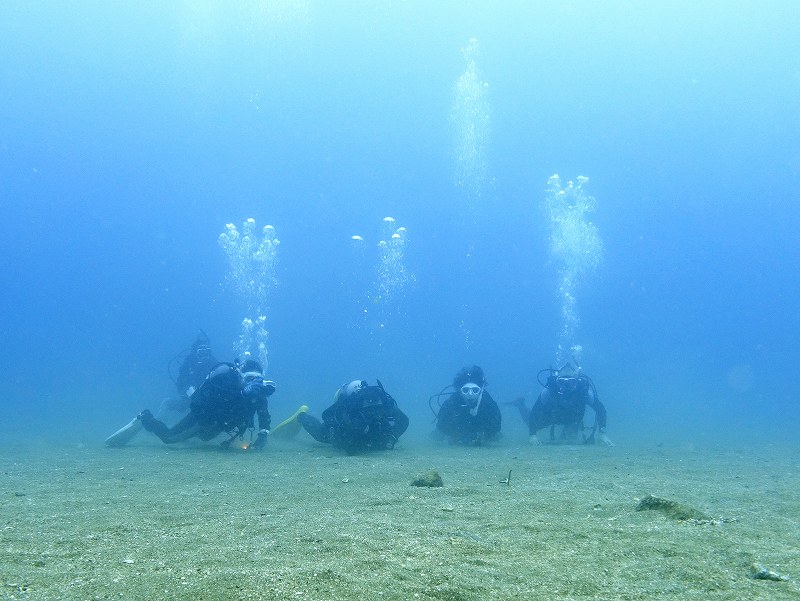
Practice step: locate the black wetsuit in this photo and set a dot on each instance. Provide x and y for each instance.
(217, 406)
(352, 426)
(566, 409)
(457, 422)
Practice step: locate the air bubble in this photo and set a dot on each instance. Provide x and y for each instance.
(575, 249)
(252, 260)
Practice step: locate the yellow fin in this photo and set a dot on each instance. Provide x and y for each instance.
(289, 427)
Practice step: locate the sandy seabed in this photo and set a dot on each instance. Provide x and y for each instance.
(304, 521)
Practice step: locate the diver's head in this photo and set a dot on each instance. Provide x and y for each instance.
(566, 379)
(371, 404)
(470, 393)
(367, 401)
(248, 367)
(352, 388)
(472, 374)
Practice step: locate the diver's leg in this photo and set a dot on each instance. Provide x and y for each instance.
(319, 431)
(183, 430)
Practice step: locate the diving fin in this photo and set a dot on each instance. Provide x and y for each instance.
(125, 434)
(289, 427)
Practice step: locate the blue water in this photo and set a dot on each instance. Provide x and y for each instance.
(130, 134)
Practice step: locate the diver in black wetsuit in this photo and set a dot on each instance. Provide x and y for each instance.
(563, 402)
(470, 415)
(361, 418)
(196, 363)
(228, 401)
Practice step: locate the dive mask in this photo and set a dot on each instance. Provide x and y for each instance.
(470, 392)
(566, 385)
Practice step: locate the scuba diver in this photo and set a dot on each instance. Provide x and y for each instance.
(362, 417)
(196, 363)
(563, 403)
(228, 401)
(469, 416)
(226, 398)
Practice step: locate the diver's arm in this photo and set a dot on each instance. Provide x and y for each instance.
(537, 417)
(492, 416)
(598, 408)
(264, 419)
(600, 411)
